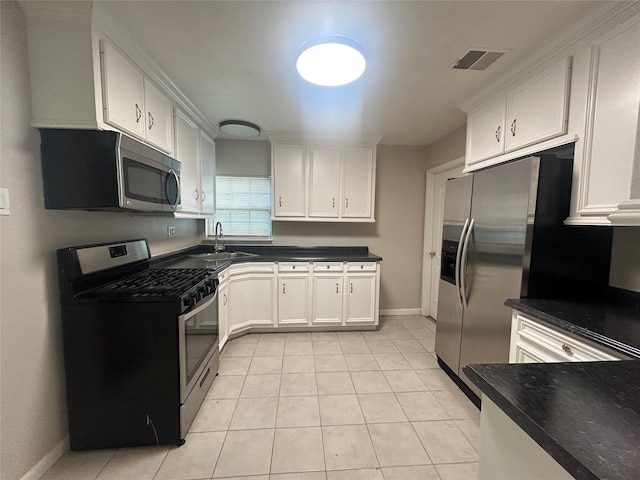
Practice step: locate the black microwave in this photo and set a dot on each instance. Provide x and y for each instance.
(105, 170)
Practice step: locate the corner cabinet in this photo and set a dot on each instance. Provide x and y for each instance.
(609, 182)
(535, 342)
(316, 182)
(530, 112)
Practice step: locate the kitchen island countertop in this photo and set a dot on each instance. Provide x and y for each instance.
(585, 415)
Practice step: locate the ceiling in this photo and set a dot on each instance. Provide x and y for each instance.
(236, 59)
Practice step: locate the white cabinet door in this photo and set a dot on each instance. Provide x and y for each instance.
(537, 109)
(288, 180)
(357, 200)
(293, 296)
(324, 188)
(207, 174)
(327, 299)
(159, 117)
(251, 296)
(223, 313)
(123, 91)
(360, 299)
(485, 130)
(612, 138)
(187, 153)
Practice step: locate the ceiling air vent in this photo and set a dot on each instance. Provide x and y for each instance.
(477, 59)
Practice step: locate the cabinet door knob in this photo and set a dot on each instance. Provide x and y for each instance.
(225, 299)
(196, 194)
(352, 288)
(567, 349)
(346, 203)
(498, 133)
(337, 291)
(279, 201)
(204, 195)
(150, 120)
(138, 113)
(513, 127)
(333, 202)
(284, 288)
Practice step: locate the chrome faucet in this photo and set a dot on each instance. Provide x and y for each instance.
(218, 236)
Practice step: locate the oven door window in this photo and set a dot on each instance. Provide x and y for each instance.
(201, 334)
(148, 184)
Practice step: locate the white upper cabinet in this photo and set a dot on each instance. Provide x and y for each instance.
(288, 179)
(123, 91)
(84, 74)
(187, 153)
(537, 109)
(534, 110)
(358, 165)
(196, 153)
(159, 117)
(485, 135)
(324, 190)
(207, 174)
(611, 154)
(132, 103)
(318, 182)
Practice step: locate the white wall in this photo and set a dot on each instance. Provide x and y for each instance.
(243, 157)
(33, 407)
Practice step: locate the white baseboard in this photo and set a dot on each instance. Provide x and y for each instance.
(400, 311)
(48, 460)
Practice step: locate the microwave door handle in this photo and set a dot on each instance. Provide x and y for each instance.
(463, 265)
(177, 179)
(457, 265)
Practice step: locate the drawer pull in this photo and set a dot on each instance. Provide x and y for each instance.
(567, 349)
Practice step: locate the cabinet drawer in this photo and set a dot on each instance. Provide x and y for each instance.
(320, 267)
(558, 345)
(361, 266)
(293, 267)
(252, 268)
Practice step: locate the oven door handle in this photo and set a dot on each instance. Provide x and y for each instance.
(200, 307)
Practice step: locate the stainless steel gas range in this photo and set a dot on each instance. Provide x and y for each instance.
(140, 345)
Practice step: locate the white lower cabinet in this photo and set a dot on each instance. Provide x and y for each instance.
(533, 342)
(251, 292)
(298, 295)
(328, 281)
(362, 285)
(293, 294)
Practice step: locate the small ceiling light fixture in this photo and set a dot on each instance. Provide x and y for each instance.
(331, 61)
(239, 128)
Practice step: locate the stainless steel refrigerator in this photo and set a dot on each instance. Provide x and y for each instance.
(503, 237)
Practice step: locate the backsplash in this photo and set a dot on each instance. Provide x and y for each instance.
(625, 259)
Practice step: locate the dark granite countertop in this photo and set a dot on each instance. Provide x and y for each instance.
(585, 415)
(613, 320)
(264, 253)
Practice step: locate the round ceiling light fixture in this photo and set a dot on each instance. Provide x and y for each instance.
(331, 61)
(239, 129)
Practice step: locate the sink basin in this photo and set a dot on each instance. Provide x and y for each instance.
(214, 257)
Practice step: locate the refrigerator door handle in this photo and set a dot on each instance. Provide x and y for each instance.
(457, 266)
(463, 265)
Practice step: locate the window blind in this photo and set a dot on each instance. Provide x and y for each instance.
(243, 206)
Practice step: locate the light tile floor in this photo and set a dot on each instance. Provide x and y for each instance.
(314, 406)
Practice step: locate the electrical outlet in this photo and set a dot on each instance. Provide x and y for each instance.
(171, 231)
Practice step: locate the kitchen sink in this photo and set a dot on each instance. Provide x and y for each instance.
(214, 257)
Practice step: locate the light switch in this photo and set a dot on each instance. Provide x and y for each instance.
(4, 201)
